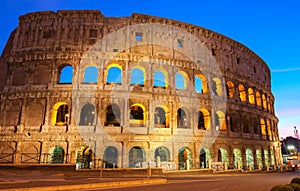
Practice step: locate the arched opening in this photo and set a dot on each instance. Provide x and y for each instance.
(87, 115)
(264, 100)
(249, 159)
(263, 127)
(235, 122)
(60, 114)
(246, 124)
(258, 99)
(114, 74)
(204, 158)
(160, 79)
(90, 75)
(137, 76)
(200, 84)
(185, 158)
(230, 89)
(136, 157)
(242, 93)
(163, 153)
(251, 96)
(222, 155)
(84, 157)
(220, 122)
(237, 158)
(256, 127)
(113, 115)
(181, 118)
(66, 75)
(266, 156)
(57, 155)
(259, 158)
(180, 80)
(110, 157)
(201, 120)
(272, 158)
(217, 87)
(160, 118)
(137, 116)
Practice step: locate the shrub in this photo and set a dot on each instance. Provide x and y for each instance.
(282, 188)
(295, 181)
(296, 187)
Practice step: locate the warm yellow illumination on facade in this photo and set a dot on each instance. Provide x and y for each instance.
(264, 101)
(218, 86)
(251, 96)
(185, 77)
(204, 83)
(242, 93)
(222, 120)
(143, 70)
(54, 112)
(231, 89)
(258, 99)
(138, 122)
(269, 128)
(206, 116)
(263, 127)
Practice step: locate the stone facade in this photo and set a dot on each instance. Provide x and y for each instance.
(165, 93)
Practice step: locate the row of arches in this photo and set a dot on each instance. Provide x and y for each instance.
(181, 82)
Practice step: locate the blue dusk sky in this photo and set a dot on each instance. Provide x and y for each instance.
(270, 28)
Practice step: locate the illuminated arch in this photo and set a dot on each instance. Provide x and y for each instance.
(137, 115)
(111, 157)
(57, 154)
(114, 74)
(60, 114)
(137, 156)
(222, 155)
(264, 100)
(137, 76)
(251, 96)
(200, 84)
(237, 158)
(204, 157)
(87, 115)
(203, 119)
(65, 74)
(113, 115)
(163, 153)
(90, 74)
(249, 158)
(259, 157)
(160, 78)
(266, 156)
(230, 89)
(269, 129)
(181, 80)
(182, 121)
(263, 127)
(220, 121)
(161, 117)
(184, 156)
(242, 93)
(217, 87)
(258, 99)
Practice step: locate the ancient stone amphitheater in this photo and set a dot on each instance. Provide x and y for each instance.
(131, 92)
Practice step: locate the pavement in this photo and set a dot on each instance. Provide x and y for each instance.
(23, 180)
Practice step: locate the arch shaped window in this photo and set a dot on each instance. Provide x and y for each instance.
(200, 84)
(110, 157)
(217, 87)
(259, 157)
(136, 157)
(163, 153)
(180, 80)
(230, 89)
(90, 75)
(242, 93)
(160, 118)
(220, 122)
(263, 127)
(84, 156)
(266, 156)
(251, 96)
(87, 115)
(246, 125)
(272, 157)
(66, 75)
(57, 155)
(264, 100)
(181, 118)
(203, 119)
(235, 124)
(113, 115)
(137, 115)
(249, 159)
(137, 77)
(269, 131)
(258, 99)
(256, 127)
(222, 155)
(160, 79)
(204, 157)
(184, 157)
(237, 158)
(60, 114)
(114, 74)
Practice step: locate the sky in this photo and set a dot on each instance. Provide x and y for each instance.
(270, 28)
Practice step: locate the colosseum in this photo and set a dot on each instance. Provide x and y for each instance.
(92, 91)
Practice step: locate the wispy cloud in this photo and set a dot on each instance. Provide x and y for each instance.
(285, 70)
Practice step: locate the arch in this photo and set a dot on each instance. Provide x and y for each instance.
(246, 124)
(200, 84)
(251, 96)
(272, 157)
(163, 153)
(217, 87)
(222, 155)
(137, 76)
(258, 99)
(160, 79)
(269, 132)
(57, 155)
(90, 74)
(181, 80)
(263, 127)
(204, 158)
(242, 93)
(264, 100)
(6, 153)
(137, 115)
(161, 118)
(60, 114)
(19, 77)
(237, 158)
(113, 115)
(249, 158)
(41, 75)
(235, 122)
(114, 74)
(87, 115)
(256, 127)
(230, 89)
(181, 119)
(84, 157)
(259, 158)
(220, 121)
(203, 119)
(266, 156)
(66, 74)
(184, 157)
(34, 115)
(111, 157)
(136, 157)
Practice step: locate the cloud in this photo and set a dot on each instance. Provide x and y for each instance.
(285, 70)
